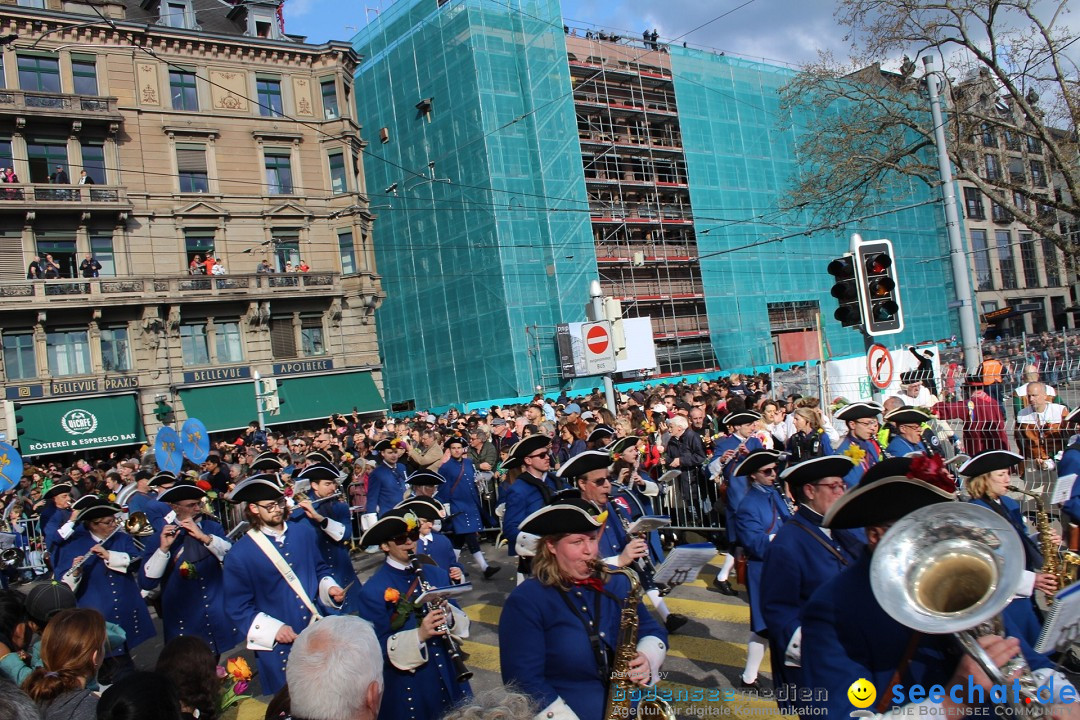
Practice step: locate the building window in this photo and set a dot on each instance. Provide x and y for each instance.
(115, 351)
(282, 338)
(974, 204)
(84, 74)
(263, 25)
(93, 162)
(328, 87)
(1027, 260)
(60, 246)
(5, 151)
(993, 167)
(1020, 201)
(1038, 174)
(68, 352)
(268, 88)
(44, 154)
(339, 182)
(193, 344)
(101, 247)
(988, 137)
(37, 73)
(279, 171)
(1034, 145)
(39, 4)
(191, 166)
(1050, 263)
(999, 213)
(198, 241)
(311, 336)
(228, 342)
(286, 250)
(19, 356)
(176, 14)
(984, 280)
(1060, 315)
(348, 253)
(185, 94)
(1006, 264)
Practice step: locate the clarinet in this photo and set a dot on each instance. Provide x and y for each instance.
(457, 658)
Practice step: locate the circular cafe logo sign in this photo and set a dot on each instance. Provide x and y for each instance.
(79, 422)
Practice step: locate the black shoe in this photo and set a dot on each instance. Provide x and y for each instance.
(756, 685)
(490, 572)
(675, 621)
(725, 588)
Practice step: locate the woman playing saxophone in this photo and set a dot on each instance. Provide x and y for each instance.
(572, 608)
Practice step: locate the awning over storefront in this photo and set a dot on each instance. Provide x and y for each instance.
(313, 397)
(221, 407)
(82, 424)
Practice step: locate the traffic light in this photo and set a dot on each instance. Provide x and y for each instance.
(846, 291)
(882, 311)
(164, 413)
(268, 394)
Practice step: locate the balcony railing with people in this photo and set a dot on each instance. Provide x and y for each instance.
(140, 289)
(60, 104)
(44, 193)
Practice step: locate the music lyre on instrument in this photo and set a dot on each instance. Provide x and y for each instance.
(453, 651)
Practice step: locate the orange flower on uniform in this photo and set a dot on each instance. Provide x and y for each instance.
(238, 668)
(391, 595)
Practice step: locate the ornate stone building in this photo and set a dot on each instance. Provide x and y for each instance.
(202, 130)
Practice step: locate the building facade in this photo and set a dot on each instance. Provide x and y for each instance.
(519, 161)
(146, 136)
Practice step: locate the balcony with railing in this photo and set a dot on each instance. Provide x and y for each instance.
(93, 108)
(181, 288)
(42, 196)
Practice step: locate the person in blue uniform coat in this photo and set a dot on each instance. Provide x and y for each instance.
(989, 476)
(907, 439)
(760, 516)
(460, 494)
(141, 495)
(799, 560)
(629, 481)
(97, 563)
(530, 491)
(157, 512)
(331, 521)
(560, 627)
(420, 680)
(268, 610)
(861, 443)
(847, 634)
(388, 481)
(185, 560)
(591, 471)
(435, 545)
(61, 525)
(57, 498)
(729, 451)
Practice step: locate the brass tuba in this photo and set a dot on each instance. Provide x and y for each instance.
(138, 525)
(951, 568)
(621, 691)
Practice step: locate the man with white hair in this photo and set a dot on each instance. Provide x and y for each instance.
(335, 671)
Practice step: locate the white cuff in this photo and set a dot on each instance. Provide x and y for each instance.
(170, 518)
(71, 580)
(156, 564)
(263, 632)
(557, 710)
(771, 537)
(655, 650)
(118, 561)
(651, 489)
(219, 547)
(405, 651)
(613, 561)
(324, 591)
(793, 652)
(367, 520)
(1026, 585)
(334, 529)
(526, 544)
(66, 529)
(461, 622)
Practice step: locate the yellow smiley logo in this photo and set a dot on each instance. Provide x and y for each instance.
(862, 693)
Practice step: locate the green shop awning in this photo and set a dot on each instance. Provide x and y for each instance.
(61, 426)
(221, 407)
(312, 397)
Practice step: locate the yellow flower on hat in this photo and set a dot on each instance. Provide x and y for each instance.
(411, 523)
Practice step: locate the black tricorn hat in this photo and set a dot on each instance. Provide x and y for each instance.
(425, 478)
(815, 469)
(743, 417)
(162, 478)
(600, 431)
(322, 471)
(888, 491)
(388, 527)
(584, 462)
(57, 489)
(906, 416)
(560, 519)
(97, 511)
(455, 440)
(621, 445)
(756, 460)
(387, 444)
(256, 488)
(268, 461)
(524, 448)
(319, 456)
(989, 461)
(425, 507)
(86, 501)
(858, 411)
(181, 491)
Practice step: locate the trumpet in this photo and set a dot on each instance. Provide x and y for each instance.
(453, 651)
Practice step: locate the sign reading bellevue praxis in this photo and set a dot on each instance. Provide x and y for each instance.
(216, 375)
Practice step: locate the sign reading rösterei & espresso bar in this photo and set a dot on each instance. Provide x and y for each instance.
(80, 424)
(196, 377)
(301, 367)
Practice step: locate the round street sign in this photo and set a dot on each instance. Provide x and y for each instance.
(597, 339)
(879, 365)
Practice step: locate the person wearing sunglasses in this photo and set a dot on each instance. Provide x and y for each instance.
(801, 558)
(276, 580)
(531, 490)
(418, 674)
(861, 443)
(758, 518)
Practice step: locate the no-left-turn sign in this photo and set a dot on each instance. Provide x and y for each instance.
(879, 366)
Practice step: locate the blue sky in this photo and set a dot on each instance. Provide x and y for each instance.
(782, 30)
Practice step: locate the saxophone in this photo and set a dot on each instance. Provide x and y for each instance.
(620, 703)
(1061, 565)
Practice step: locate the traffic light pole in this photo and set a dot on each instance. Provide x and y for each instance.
(597, 298)
(259, 400)
(968, 329)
